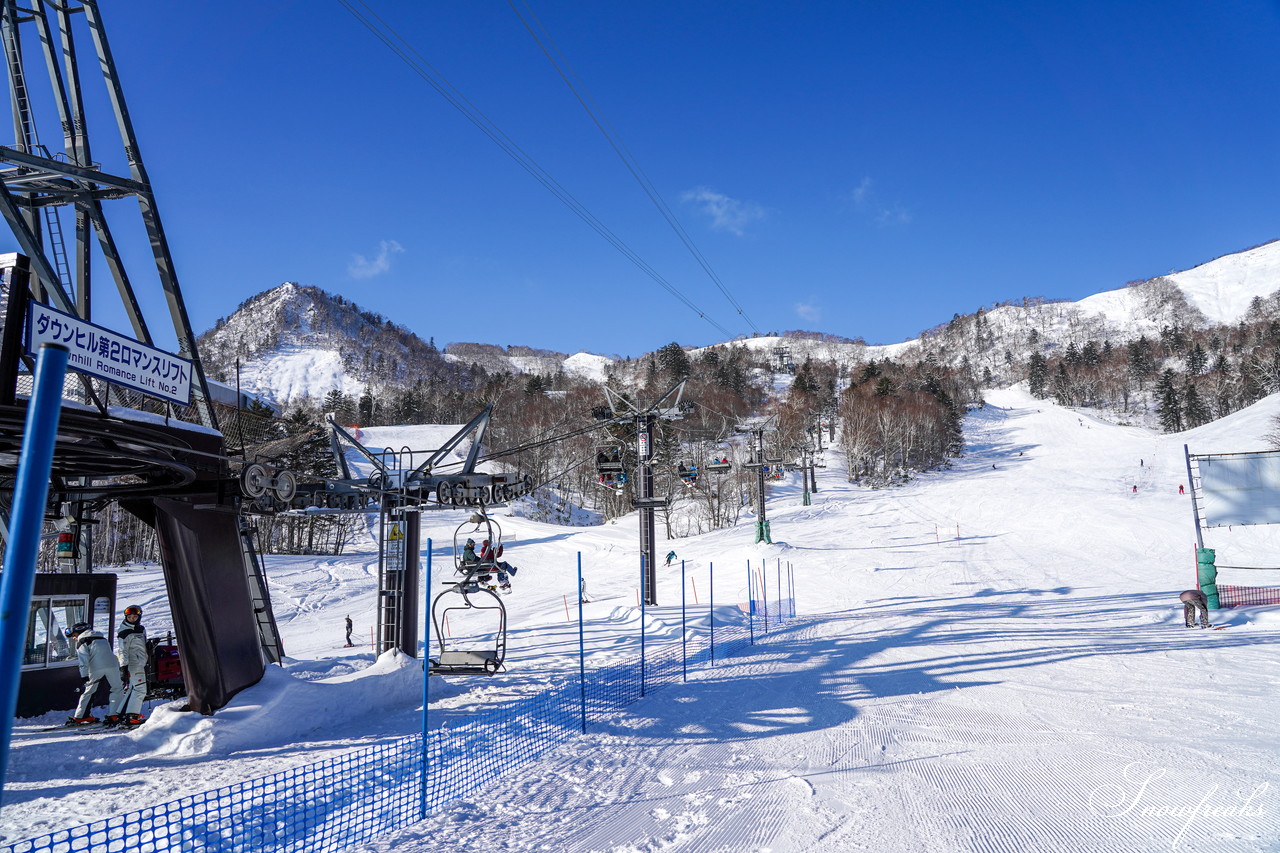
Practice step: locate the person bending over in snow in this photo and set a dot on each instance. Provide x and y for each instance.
(1193, 600)
(671, 555)
(93, 653)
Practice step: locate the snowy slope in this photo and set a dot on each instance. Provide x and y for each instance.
(988, 658)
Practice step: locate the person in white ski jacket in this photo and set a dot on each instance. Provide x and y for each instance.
(133, 657)
(93, 654)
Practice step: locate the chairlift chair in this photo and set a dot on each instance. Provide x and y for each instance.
(609, 459)
(473, 583)
(719, 466)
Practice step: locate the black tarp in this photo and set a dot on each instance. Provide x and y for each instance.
(209, 596)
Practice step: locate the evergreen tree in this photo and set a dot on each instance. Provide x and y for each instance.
(674, 361)
(1197, 359)
(1168, 402)
(1141, 364)
(1194, 407)
(1038, 374)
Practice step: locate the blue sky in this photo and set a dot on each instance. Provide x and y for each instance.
(863, 169)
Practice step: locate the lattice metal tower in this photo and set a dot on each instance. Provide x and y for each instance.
(48, 175)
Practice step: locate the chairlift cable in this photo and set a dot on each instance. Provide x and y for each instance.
(486, 126)
(611, 135)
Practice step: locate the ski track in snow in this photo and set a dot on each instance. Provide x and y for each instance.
(986, 659)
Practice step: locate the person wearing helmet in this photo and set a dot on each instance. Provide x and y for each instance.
(93, 654)
(469, 553)
(133, 658)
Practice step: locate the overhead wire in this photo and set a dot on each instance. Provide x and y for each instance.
(387, 34)
(611, 135)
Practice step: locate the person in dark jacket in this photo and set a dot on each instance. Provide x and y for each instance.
(1193, 600)
(93, 654)
(132, 638)
(349, 626)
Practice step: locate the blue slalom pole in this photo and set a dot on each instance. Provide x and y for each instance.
(31, 490)
(426, 682)
(751, 606)
(582, 652)
(684, 632)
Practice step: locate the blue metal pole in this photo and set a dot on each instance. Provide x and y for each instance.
(764, 592)
(642, 615)
(684, 633)
(711, 608)
(779, 589)
(30, 492)
(582, 652)
(751, 606)
(426, 682)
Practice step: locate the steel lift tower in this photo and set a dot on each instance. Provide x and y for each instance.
(666, 408)
(44, 177)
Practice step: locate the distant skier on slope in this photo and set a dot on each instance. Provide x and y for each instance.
(1193, 600)
(671, 555)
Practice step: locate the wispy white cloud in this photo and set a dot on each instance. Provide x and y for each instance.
(809, 312)
(862, 191)
(727, 214)
(362, 267)
(866, 200)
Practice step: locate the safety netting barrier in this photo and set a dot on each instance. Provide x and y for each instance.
(1235, 596)
(353, 798)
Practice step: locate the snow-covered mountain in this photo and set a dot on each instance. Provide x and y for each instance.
(295, 341)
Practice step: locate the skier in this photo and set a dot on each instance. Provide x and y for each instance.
(469, 553)
(93, 654)
(1181, 490)
(1193, 600)
(349, 643)
(505, 570)
(133, 659)
(1135, 488)
(671, 555)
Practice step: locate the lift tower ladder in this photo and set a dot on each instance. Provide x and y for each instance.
(272, 647)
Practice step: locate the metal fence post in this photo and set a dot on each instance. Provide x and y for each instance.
(643, 598)
(779, 574)
(426, 683)
(35, 462)
(582, 652)
(764, 592)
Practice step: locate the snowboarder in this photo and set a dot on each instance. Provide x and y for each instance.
(349, 643)
(1193, 600)
(671, 555)
(93, 654)
(133, 660)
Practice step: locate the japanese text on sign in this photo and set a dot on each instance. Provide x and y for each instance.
(103, 353)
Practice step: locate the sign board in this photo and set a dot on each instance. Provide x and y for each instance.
(1242, 488)
(103, 353)
(644, 445)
